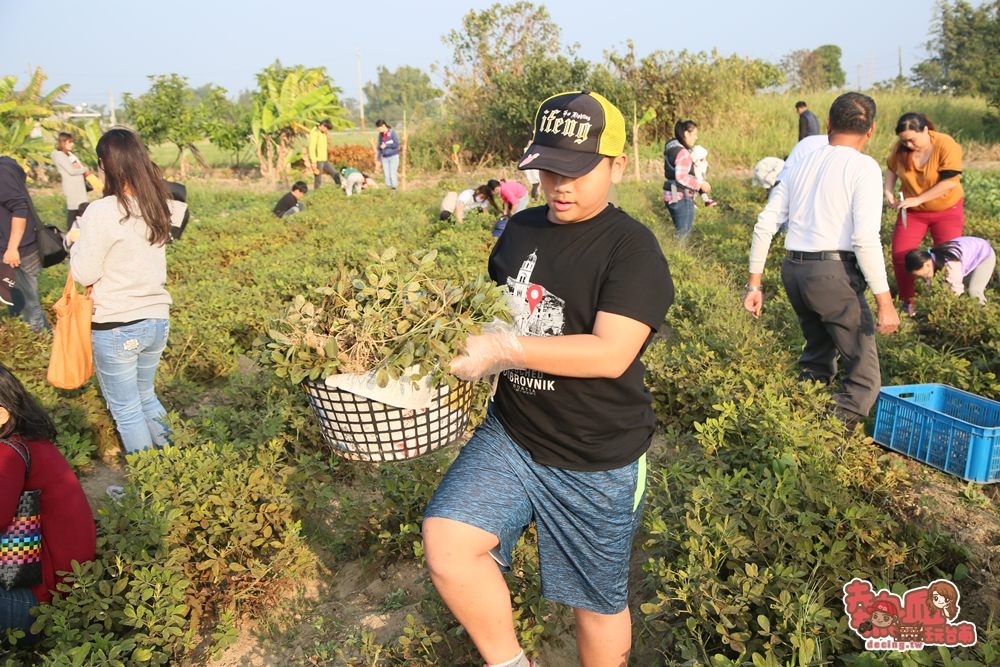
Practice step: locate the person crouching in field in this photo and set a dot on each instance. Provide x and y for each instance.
(291, 203)
(565, 438)
(457, 203)
(513, 195)
(354, 180)
(967, 259)
(832, 202)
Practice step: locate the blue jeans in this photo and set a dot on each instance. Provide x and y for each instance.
(682, 213)
(14, 607)
(25, 295)
(125, 361)
(390, 165)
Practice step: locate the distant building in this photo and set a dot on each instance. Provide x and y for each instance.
(81, 112)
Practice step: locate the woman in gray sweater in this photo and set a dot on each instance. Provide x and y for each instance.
(121, 253)
(72, 172)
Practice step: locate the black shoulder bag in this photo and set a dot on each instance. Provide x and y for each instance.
(177, 192)
(51, 245)
(48, 237)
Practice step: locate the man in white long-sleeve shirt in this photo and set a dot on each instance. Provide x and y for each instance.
(832, 201)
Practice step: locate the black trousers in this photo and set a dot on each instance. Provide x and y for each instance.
(325, 167)
(829, 298)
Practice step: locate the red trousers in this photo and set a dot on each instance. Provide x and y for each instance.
(944, 226)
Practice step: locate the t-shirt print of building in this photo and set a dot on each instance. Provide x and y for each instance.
(537, 312)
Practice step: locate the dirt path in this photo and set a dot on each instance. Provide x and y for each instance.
(306, 627)
(970, 514)
(98, 476)
(325, 610)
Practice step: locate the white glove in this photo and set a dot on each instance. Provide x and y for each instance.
(494, 350)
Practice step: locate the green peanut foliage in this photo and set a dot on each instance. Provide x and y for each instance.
(395, 317)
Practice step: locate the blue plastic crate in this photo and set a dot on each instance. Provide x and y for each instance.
(944, 427)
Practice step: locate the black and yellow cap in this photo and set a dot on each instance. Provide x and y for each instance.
(573, 132)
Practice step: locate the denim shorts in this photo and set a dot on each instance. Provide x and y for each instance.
(585, 520)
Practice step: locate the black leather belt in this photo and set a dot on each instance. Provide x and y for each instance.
(835, 255)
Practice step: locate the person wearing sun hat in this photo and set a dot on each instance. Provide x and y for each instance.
(565, 437)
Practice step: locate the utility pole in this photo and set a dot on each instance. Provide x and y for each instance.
(900, 51)
(361, 92)
(111, 106)
(858, 81)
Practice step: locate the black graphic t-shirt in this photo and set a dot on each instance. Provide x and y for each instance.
(558, 277)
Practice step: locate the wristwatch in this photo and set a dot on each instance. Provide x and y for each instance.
(752, 288)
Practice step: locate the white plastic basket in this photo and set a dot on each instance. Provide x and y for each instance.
(362, 429)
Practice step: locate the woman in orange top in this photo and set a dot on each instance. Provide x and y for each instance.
(928, 165)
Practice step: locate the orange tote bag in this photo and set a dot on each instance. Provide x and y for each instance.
(72, 360)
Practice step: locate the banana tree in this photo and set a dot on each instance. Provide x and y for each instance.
(87, 135)
(289, 102)
(21, 111)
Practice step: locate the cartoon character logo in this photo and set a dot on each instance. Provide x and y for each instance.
(884, 615)
(921, 617)
(943, 596)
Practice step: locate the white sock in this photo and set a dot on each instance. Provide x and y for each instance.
(519, 660)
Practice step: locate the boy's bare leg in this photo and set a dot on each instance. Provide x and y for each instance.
(603, 640)
(471, 584)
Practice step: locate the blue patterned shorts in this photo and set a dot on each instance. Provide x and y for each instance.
(585, 520)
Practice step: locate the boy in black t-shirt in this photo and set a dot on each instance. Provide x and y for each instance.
(564, 442)
(291, 203)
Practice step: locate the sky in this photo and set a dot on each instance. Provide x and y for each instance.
(108, 47)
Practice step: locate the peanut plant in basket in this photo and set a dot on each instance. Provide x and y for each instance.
(393, 317)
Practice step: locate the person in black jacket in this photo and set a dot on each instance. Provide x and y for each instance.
(808, 123)
(17, 241)
(292, 202)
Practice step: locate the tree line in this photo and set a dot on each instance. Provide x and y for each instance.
(504, 59)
